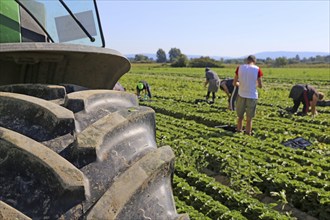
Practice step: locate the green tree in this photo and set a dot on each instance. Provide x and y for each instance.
(174, 53)
(280, 62)
(161, 56)
(141, 58)
(319, 59)
(205, 62)
(269, 61)
(181, 61)
(293, 61)
(327, 59)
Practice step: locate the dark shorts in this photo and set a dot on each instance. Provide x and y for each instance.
(246, 105)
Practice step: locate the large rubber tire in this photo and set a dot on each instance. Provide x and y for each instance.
(89, 154)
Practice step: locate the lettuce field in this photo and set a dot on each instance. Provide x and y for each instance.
(224, 175)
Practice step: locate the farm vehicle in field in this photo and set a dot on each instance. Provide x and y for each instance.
(70, 147)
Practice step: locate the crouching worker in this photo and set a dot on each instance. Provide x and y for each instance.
(143, 86)
(307, 95)
(231, 91)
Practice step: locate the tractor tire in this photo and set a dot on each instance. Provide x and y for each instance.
(71, 153)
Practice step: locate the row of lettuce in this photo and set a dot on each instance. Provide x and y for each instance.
(253, 167)
(224, 175)
(270, 123)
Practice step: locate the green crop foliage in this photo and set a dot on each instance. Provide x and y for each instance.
(255, 168)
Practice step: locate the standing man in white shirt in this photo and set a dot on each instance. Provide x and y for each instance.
(249, 77)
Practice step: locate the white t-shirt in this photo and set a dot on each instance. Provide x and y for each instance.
(247, 77)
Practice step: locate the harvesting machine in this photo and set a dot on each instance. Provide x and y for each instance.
(70, 146)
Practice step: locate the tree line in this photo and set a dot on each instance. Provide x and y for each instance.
(177, 59)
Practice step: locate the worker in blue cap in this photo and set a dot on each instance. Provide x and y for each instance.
(143, 86)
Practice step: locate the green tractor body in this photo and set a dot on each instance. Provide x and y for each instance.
(42, 43)
(9, 22)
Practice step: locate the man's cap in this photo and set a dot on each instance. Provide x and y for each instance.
(140, 85)
(207, 69)
(252, 58)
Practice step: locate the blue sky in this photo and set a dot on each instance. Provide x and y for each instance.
(216, 28)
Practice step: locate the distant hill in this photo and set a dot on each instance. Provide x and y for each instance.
(289, 54)
(261, 55)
